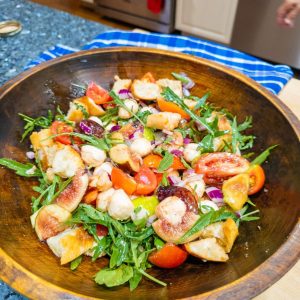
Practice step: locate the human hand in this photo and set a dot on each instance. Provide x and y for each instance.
(287, 12)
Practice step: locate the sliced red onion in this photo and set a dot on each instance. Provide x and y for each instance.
(85, 128)
(151, 219)
(30, 154)
(215, 194)
(115, 128)
(187, 141)
(125, 94)
(199, 126)
(173, 179)
(190, 83)
(176, 152)
(186, 92)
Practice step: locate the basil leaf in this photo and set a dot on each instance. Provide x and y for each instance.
(207, 219)
(75, 263)
(25, 170)
(166, 162)
(263, 156)
(114, 277)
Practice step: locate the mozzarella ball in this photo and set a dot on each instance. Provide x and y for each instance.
(101, 181)
(190, 152)
(107, 166)
(141, 146)
(131, 106)
(103, 199)
(92, 156)
(120, 206)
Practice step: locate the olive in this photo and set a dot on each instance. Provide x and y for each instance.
(90, 127)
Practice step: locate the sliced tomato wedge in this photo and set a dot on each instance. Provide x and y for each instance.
(121, 180)
(220, 165)
(98, 94)
(152, 161)
(168, 257)
(58, 127)
(146, 181)
(257, 179)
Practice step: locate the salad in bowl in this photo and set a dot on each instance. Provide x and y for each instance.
(146, 174)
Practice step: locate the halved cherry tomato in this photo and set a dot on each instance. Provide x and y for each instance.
(146, 181)
(148, 77)
(159, 177)
(58, 127)
(220, 164)
(121, 180)
(91, 196)
(257, 179)
(101, 230)
(169, 256)
(152, 161)
(98, 94)
(171, 107)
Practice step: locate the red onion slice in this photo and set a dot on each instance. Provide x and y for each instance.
(115, 128)
(85, 128)
(186, 141)
(125, 94)
(214, 194)
(177, 152)
(30, 154)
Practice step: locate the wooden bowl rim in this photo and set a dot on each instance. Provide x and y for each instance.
(246, 287)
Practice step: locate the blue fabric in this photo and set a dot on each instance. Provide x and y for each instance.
(272, 77)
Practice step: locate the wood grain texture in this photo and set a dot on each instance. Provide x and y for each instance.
(259, 257)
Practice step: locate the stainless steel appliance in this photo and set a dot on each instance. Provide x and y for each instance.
(136, 12)
(256, 32)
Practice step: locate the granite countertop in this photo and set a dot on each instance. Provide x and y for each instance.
(42, 28)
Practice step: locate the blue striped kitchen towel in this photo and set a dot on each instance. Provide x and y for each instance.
(272, 77)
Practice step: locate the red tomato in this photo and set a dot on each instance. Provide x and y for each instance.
(152, 161)
(101, 230)
(97, 93)
(169, 256)
(221, 164)
(58, 127)
(146, 181)
(257, 179)
(121, 180)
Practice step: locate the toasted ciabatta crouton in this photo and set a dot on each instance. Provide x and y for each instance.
(92, 108)
(70, 244)
(144, 90)
(225, 232)
(77, 111)
(71, 196)
(174, 85)
(50, 220)
(207, 249)
(121, 84)
(66, 162)
(42, 144)
(163, 120)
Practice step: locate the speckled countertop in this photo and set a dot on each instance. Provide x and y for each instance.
(42, 28)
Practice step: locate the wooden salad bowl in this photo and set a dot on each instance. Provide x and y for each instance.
(265, 249)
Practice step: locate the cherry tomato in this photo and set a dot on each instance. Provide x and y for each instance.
(169, 256)
(97, 93)
(177, 164)
(152, 161)
(146, 181)
(58, 127)
(221, 164)
(171, 107)
(101, 230)
(121, 180)
(257, 179)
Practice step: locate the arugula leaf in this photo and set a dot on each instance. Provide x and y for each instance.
(201, 101)
(120, 103)
(181, 78)
(25, 170)
(207, 219)
(114, 277)
(169, 95)
(263, 156)
(135, 279)
(31, 123)
(166, 162)
(119, 252)
(75, 263)
(164, 180)
(158, 243)
(247, 217)
(207, 144)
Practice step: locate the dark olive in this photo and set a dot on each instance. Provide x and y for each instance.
(90, 127)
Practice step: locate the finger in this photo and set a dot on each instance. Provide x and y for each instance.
(291, 16)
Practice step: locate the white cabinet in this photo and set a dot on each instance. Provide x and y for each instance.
(212, 19)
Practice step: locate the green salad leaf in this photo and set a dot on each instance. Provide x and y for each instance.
(166, 162)
(263, 156)
(25, 170)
